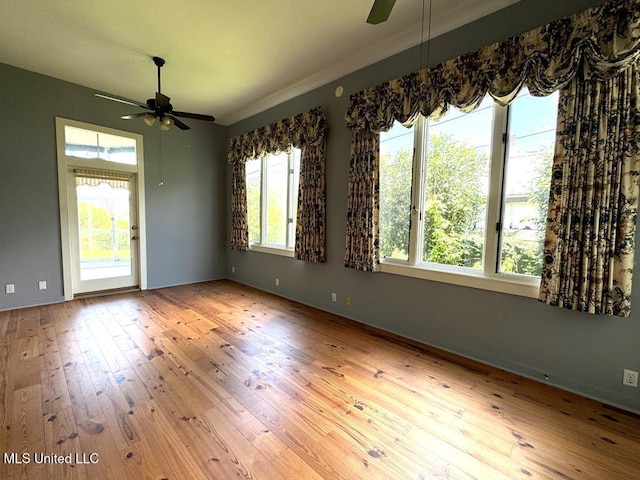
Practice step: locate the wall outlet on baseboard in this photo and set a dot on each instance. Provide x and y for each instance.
(233, 269)
(42, 285)
(630, 378)
(9, 288)
(334, 297)
(348, 301)
(277, 282)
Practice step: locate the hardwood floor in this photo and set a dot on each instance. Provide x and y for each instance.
(221, 381)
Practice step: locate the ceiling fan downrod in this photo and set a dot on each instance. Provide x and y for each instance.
(159, 63)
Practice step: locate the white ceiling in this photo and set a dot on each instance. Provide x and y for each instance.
(230, 59)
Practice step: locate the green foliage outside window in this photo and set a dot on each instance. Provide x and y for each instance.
(454, 209)
(454, 203)
(97, 234)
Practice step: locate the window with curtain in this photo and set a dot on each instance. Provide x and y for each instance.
(467, 194)
(591, 60)
(291, 209)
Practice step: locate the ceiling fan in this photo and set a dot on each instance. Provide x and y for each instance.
(380, 11)
(159, 107)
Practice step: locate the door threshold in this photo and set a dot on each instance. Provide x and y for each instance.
(101, 293)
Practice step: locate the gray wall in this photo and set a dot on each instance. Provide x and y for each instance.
(185, 218)
(580, 352)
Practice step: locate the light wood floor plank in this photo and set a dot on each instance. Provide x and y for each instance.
(218, 381)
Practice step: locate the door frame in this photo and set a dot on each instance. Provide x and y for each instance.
(67, 163)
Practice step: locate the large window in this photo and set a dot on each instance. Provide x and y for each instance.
(272, 199)
(466, 195)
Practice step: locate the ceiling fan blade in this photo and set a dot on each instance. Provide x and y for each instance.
(162, 102)
(194, 116)
(135, 115)
(179, 124)
(121, 100)
(380, 11)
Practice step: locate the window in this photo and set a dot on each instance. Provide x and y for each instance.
(463, 199)
(272, 200)
(90, 144)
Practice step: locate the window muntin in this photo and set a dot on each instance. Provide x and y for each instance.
(454, 230)
(272, 199)
(89, 144)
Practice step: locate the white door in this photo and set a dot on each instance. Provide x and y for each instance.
(104, 230)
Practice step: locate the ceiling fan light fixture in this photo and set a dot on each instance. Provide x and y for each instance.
(165, 123)
(149, 119)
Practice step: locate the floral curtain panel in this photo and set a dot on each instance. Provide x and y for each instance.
(593, 204)
(363, 202)
(239, 222)
(599, 41)
(306, 131)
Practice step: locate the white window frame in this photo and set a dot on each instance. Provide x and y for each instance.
(263, 246)
(488, 278)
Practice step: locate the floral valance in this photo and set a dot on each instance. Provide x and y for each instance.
(597, 42)
(305, 129)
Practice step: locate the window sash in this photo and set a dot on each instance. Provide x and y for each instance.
(290, 215)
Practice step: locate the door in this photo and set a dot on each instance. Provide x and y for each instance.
(102, 208)
(104, 230)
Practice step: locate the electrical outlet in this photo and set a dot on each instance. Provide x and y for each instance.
(630, 378)
(233, 269)
(334, 297)
(277, 282)
(348, 300)
(42, 285)
(10, 288)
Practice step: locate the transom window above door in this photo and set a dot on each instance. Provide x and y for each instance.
(90, 144)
